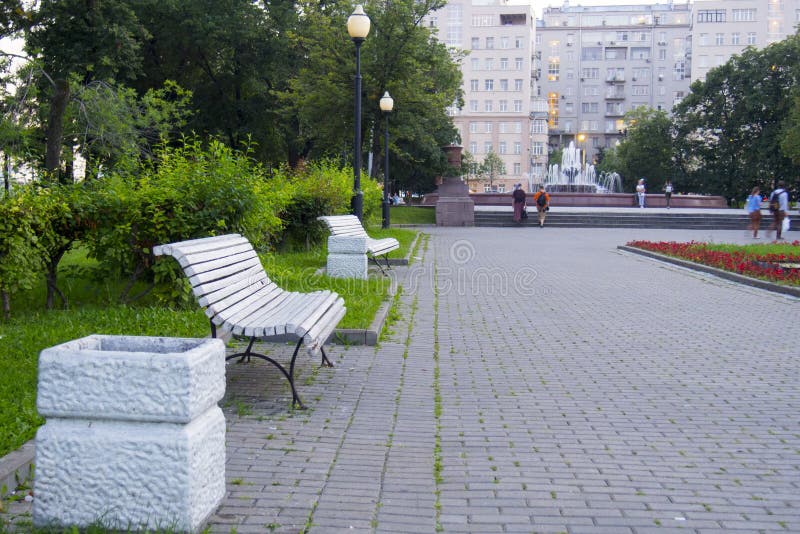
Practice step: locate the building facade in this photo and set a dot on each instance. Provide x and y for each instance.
(500, 109)
(722, 28)
(596, 63)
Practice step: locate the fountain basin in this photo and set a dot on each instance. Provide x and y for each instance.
(597, 200)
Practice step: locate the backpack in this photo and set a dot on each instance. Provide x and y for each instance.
(774, 201)
(541, 200)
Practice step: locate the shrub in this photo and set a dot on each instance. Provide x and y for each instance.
(20, 251)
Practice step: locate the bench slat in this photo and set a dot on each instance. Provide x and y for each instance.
(273, 322)
(321, 331)
(253, 279)
(223, 272)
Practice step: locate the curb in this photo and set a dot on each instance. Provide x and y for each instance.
(746, 280)
(16, 467)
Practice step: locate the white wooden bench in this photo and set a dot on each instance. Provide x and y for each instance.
(228, 280)
(350, 226)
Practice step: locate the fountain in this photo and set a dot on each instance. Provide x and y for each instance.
(573, 177)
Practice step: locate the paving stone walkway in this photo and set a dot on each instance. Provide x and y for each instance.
(536, 380)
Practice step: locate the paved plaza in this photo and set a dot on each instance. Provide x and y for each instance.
(535, 380)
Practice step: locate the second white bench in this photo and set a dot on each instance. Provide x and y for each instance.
(348, 237)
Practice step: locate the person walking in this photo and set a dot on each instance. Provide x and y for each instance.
(667, 192)
(542, 200)
(640, 192)
(518, 203)
(753, 208)
(779, 205)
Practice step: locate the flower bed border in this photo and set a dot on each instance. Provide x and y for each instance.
(754, 282)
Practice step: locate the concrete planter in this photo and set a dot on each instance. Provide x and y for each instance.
(347, 257)
(134, 438)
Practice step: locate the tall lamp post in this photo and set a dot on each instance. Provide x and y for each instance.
(358, 28)
(387, 104)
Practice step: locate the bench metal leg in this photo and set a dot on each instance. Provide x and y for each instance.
(325, 361)
(376, 262)
(247, 354)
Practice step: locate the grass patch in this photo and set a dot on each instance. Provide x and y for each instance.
(413, 215)
(94, 310)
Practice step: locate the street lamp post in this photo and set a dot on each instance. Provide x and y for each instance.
(358, 28)
(387, 104)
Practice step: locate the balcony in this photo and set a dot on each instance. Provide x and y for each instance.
(615, 79)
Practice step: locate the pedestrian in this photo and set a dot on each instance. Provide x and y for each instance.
(753, 208)
(518, 203)
(542, 200)
(779, 205)
(640, 192)
(667, 192)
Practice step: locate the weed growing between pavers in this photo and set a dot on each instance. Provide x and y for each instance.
(437, 404)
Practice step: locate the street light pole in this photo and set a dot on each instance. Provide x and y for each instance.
(387, 104)
(358, 27)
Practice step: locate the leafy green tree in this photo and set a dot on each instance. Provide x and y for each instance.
(90, 39)
(646, 150)
(491, 167)
(790, 138)
(730, 127)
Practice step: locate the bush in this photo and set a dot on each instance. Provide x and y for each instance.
(20, 251)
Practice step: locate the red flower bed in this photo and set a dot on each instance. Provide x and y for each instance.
(737, 260)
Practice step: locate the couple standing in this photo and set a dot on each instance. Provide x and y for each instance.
(541, 200)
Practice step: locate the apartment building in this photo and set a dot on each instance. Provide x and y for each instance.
(722, 28)
(595, 63)
(500, 114)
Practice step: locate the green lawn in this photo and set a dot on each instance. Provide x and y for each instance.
(94, 310)
(412, 215)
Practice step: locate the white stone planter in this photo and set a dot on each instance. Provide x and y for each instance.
(134, 438)
(347, 257)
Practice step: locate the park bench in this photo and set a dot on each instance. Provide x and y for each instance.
(350, 226)
(228, 280)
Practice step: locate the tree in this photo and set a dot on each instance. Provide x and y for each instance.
(646, 150)
(492, 167)
(730, 127)
(470, 168)
(90, 39)
(790, 139)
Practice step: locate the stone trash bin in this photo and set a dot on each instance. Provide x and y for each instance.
(134, 438)
(347, 257)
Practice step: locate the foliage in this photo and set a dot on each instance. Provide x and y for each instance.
(646, 150)
(491, 167)
(790, 138)
(728, 130)
(20, 250)
(193, 192)
(758, 261)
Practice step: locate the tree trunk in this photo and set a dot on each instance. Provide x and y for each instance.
(51, 277)
(6, 298)
(6, 172)
(55, 128)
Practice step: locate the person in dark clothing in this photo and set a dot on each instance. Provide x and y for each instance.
(518, 202)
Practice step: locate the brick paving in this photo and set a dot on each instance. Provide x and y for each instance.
(538, 380)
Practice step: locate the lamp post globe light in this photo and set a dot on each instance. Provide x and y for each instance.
(386, 104)
(358, 27)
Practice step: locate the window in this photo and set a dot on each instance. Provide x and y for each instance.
(641, 73)
(517, 127)
(475, 63)
(751, 38)
(711, 15)
(518, 85)
(473, 147)
(703, 39)
(517, 106)
(487, 147)
(504, 42)
(591, 53)
(504, 85)
(680, 70)
(503, 63)
(517, 147)
(517, 169)
(589, 107)
(743, 15)
(538, 148)
(641, 90)
(518, 63)
(570, 74)
(489, 63)
(501, 188)
(489, 43)
(488, 85)
(487, 105)
(719, 39)
(503, 127)
(591, 90)
(553, 68)
(662, 54)
(473, 105)
(473, 85)
(569, 108)
(736, 38)
(476, 43)
(615, 74)
(640, 53)
(518, 42)
(482, 20)
(502, 148)
(473, 127)
(489, 126)
(503, 106)
(590, 73)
